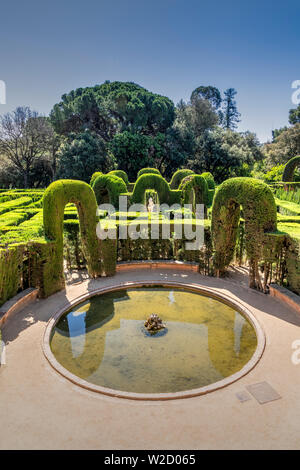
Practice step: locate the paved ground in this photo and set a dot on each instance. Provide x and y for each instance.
(39, 409)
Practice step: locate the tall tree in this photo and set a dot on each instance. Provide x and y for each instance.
(111, 108)
(210, 93)
(24, 138)
(230, 113)
(82, 155)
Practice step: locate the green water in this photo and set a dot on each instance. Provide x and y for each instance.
(103, 340)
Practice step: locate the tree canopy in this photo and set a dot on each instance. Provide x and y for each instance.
(111, 108)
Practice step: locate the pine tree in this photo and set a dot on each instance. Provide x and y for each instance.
(230, 114)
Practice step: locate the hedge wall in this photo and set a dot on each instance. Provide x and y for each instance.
(121, 174)
(178, 177)
(107, 189)
(158, 184)
(259, 211)
(56, 196)
(194, 190)
(144, 171)
(289, 169)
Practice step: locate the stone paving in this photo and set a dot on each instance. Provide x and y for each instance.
(40, 409)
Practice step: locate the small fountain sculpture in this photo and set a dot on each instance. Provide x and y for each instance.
(154, 323)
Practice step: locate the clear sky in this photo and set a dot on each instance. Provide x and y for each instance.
(168, 46)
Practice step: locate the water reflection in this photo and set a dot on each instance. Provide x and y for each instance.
(101, 340)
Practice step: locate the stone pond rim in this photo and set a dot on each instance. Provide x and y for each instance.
(206, 291)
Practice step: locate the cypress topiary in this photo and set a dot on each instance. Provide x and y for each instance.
(259, 211)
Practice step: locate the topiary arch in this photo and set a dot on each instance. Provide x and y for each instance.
(144, 171)
(209, 179)
(94, 176)
(289, 169)
(56, 196)
(108, 188)
(178, 177)
(259, 212)
(121, 174)
(194, 190)
(158, 184)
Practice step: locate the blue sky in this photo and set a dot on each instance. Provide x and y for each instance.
(168, 46)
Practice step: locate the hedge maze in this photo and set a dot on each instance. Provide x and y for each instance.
(43, 232)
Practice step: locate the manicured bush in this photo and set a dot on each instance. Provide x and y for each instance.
(194, 190)
(158, 184)
(144, 171)
(94, 176)
(20, 202)
(290, 167)
(56, 196)
(259, 211)
(121, 174)
(108, 188)
(209, 179)
(178, 177)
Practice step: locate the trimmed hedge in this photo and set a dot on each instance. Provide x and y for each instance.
(120, 174)
(156, 183)
(209, 179)
(194, 190)
(144, 171)
(107, 189)
(289, 169)
(95, 176)
(56, 196)
(259, 211)
(178, 176)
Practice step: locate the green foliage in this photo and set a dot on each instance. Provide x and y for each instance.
(209, 179)
(259, 211)
(80, 155)
(288, 194)
(294, 115)
(288, 174)
(108, 188)
(131, 151)
(157, 183)
(209, 93)
(288, 208)
(56, 196)
(223, 153)
(94, 176)
(178, 177)
(275, 174)
(285, 146)
(194, 190)
(143, 171)
(20, 202)
(230, 113)
(111, 108)
(120, 174)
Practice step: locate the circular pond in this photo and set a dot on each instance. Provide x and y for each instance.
(103, 342)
